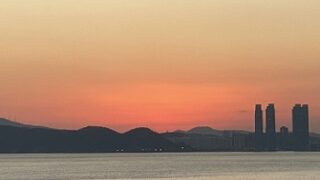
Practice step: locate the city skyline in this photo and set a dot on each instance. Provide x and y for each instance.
(271, 139)
(163, 64)
(262, 125)
(196, 139)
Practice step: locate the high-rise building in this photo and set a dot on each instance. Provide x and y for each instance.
(300, 126)
(259, 127)
(258, 119)
(283, 138)
(271, 127)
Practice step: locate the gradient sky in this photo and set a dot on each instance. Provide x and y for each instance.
(164, 64)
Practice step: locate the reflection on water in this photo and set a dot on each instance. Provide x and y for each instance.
(278, 165)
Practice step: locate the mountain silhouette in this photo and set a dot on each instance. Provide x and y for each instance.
(145, 139)
(21, 138)
(86, 140)
(205, 130)
(7, 122)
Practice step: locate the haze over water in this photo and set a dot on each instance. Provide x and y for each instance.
(224, 166)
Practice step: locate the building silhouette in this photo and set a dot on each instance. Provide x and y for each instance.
(284, 130)
(271, 127)
(283, 140)
(258, 136)
(300, 126)
(258, 119)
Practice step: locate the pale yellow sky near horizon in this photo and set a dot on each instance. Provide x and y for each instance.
(164, 64)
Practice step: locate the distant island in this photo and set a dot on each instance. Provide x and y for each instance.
(21, 138)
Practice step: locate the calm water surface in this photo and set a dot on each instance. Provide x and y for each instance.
(277, 165)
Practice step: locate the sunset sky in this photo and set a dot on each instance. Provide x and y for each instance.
(163, 64)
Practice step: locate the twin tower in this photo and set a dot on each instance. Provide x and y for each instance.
(297, 140)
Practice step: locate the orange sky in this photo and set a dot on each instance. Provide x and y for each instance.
(164, 64)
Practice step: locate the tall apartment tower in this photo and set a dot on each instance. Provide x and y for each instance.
(258, 119)
(300, 126)
(259, 142)
(271, 127)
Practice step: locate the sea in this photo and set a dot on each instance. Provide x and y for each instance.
(163, 166)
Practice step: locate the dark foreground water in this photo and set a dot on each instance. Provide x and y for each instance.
(277, 165)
